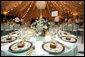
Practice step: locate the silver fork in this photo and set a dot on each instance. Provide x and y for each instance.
(30, 51)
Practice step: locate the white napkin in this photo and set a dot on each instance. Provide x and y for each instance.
(47, 38)
(4, 36)
(32, 39)
(38, 48)
(63, 42)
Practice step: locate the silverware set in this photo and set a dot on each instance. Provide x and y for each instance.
(30, 51)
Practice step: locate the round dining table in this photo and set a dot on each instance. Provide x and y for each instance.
(71, 49)
(67, 52)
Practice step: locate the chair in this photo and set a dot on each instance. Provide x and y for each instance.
(65, 28)
(70, 28)
(75, 29)
(61, 27)
(16, 27)
(2, 27)
(12, 27)
(6, 29)
(81, 30)
(2, 30)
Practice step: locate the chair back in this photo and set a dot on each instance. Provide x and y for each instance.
(2, 27)
(16, 27)
(70, 28)
(65, 27)
(76, 27)
(11, 27)
(6, 27)
(61, 27)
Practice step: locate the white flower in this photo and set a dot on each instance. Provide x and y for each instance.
(45, 27)
(48, 22)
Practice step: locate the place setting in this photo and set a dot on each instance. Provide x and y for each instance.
(8, 38)
(67, 37)
(19, 47)
(25, 46)
(49, 47)
(53, 47)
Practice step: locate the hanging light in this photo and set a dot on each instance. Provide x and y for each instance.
(5, 12)
(11, 9)
(80, 3)
(8, 11)
(40, 4)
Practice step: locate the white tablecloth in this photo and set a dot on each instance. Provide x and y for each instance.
(5, 51)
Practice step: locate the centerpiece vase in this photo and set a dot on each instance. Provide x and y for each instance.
(43, 33)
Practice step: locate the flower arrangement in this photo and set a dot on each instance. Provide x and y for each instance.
(40, 25)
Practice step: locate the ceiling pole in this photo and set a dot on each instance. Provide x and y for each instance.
(49, 12)
(40, 13)
(28, 10)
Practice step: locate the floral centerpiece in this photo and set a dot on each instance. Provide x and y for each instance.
(41, 25)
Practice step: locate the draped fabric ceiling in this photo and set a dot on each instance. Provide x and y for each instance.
(28, 9)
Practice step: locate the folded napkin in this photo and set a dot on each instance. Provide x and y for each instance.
(4, 36)
(63, 42)
(38, 48)
(48, 38)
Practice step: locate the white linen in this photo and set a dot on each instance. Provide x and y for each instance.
(4, 36)
(48, 38)
(33, 39)
(38, 48)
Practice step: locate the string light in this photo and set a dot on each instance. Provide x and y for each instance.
(59, 5)
(5, 12)
(28, 9)
(55, 6)
(80, 3)
(14, 6)
(75, 13)
(11, 9)
(8, 11)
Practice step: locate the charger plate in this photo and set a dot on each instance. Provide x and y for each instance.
(72, 40)
(14, 48)
(59, 48)
(4, 40)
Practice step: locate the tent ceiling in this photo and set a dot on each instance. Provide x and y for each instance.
(28, 9)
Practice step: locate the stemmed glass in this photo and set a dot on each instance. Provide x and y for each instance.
(37, 34)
